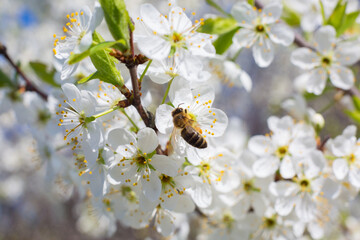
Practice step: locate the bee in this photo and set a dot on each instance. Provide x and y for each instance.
(190, 129)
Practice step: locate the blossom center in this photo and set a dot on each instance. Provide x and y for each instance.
(270, 222)
(228, 220)
(248, 187)
(260, 28)
(167, 180)
(43, 116)
(352, 158)
(282, 151)
(326, 61)
(82, 34)
(305, 185)
(128, 193)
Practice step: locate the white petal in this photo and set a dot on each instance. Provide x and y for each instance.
(354, 177)
(281, 34)
(202, 195)
(85, 42)
(324, 38)
(330, 189)
(151, 188)
(179, 22)
(204, 94)
(165, 226)
(342, 77)
(299, 228)
(97, 17)
(347, 53)
(263, 52)
(287, 168)
(154, 47)
(184, 205)
(164, 119)
(316, 81)
(272, 12)
(119, 136)
(147, 140)
(153, 19)
(266, 166)
(244, 13)
(301, 146)
(206, 119)
(72, 92)
(340, 168)
(283, 188)
(305, 208)
(164, 164)
(67, 70)
(261, 145)
(305, 58)
(283, 206)
(245, 37)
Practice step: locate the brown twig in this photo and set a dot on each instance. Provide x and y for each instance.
(123, 103)
(29, 86)
(131, 63)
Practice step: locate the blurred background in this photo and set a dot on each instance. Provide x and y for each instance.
(31, 207)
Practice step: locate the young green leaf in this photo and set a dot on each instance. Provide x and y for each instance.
(117, 19)
(95, 75)
(105, 65)
(74, 58)
(338, 15)
(290, 16)
(43, 73)
(218, 25)
(224, 41)
(355, 115)
(348, 22)
(356, 102)
(5, 81)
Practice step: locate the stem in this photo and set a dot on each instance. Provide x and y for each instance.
(145, 70)
(167, 90)
(29, 85)
(236, 55)
(106, 112)
(129, 118)
(132, 66)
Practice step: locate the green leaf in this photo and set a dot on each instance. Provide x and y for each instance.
(117, 19)
(355, 115)
(322, 9)
(5, 81)
(224, 41)
(348, 22)
(290, 16)
(356, 102)
(75, 58)
(338, 15)
(43, 73)
(218, 25)
(251, 2)
(105, 65)
(95, 75)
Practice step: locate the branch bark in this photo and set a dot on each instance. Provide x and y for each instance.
(29, 86)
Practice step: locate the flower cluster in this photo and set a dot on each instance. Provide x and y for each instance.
(162, 153)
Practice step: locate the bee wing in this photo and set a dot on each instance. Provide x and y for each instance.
(177, 142)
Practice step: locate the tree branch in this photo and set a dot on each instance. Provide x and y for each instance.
(29, 86)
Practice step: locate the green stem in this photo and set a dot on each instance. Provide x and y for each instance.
(167, 90)
(105, 112)
(129, 118)
(233, 59)
(145, 70)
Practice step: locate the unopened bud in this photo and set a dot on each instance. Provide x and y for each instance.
(318, 121)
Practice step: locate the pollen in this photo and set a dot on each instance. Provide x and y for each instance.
(74, 100)
(65, 29)
(54, 35)
(193, 13)
(81, 13)
(54, 51)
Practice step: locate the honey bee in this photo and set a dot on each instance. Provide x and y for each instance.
(190, 129)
